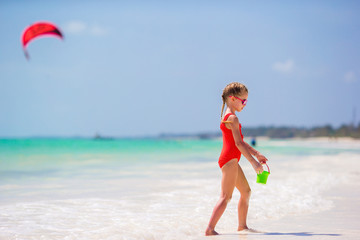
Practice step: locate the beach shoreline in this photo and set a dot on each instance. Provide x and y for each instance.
(339, 222)
(170, 188)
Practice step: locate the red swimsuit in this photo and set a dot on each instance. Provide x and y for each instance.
(229, 150)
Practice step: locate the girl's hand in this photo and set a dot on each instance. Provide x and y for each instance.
(262, 159)
(257, 167)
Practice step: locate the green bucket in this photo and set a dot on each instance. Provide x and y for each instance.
(262, 177)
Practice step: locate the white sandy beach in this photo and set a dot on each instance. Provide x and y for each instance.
(340, 222)
(313, 192)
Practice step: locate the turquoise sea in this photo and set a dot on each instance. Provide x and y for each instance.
(153, 188)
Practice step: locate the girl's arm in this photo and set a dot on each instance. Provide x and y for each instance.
(262, 159)
(233, 124)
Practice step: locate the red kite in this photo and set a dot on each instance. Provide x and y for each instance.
(36, 30)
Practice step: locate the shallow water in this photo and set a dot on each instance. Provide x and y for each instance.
(154, 189)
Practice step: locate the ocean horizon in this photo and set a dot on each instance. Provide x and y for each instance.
(273, 132)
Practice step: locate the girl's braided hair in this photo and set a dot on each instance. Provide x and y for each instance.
(232, 89)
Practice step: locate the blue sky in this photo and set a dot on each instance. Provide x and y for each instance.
(139, 68)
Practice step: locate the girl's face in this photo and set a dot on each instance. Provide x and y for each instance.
(239, 102)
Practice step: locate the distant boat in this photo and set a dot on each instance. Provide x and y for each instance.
(99, 137)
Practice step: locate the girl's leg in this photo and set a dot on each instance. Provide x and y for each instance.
(243, 186)
(229, 176)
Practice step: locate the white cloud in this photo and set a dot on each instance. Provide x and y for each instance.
(350, 77)
(79, 27)
(284, 67)
(76, 27)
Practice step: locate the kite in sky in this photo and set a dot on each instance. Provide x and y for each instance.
(36, 30)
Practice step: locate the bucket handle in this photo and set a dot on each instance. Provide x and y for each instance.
(267, 167)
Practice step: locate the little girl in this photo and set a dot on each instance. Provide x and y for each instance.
(235, 97)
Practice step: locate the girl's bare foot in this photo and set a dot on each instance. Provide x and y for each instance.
(249, 230)
(210, 231)
(243, 228)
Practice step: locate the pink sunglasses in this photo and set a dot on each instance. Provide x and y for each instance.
(243, 101)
